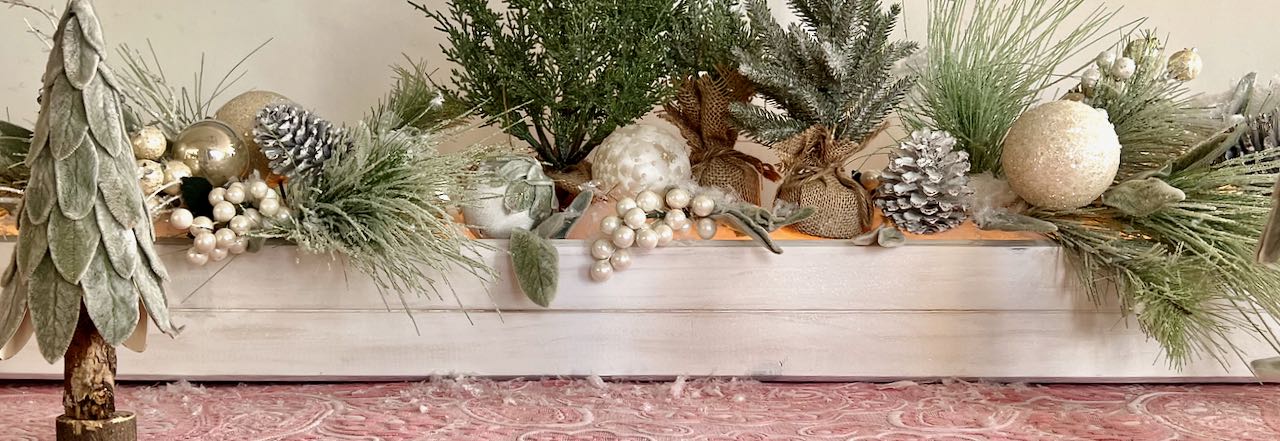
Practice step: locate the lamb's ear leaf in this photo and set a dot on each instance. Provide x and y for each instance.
(741, 223)
(537, 266)
(558, 225)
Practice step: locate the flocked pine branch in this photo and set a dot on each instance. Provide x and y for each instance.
(831, 69)
(989, 61)
(560, 75)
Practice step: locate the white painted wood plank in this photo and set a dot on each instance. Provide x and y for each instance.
(726, 276)
(327, 345)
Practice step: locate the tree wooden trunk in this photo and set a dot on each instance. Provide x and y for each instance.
(89, 390)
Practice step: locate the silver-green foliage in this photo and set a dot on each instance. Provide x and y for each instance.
(381, 204)
(831, 69)
(84, 233)
(988, 61)
(537, 266)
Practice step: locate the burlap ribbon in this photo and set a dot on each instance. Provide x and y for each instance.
(701, 112)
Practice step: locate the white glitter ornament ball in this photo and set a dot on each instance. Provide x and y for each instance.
(150, 176)
(640, 157)
(1061, 155)
(1124, 68)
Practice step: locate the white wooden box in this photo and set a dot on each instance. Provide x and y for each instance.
(821, 311)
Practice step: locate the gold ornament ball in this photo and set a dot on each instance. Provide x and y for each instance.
(1061, 155)
(174, 171)
(1185, 65)
(150, 176)
(212, 151)
(241, 113)
(149, 143)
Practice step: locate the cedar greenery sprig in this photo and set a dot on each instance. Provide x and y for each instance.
(381, 205)
(988, 62)
(560, 75)
(1153, 115)
(1186, 271)
(705, 35)
(832, 69)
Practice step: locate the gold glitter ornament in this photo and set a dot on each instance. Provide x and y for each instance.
(241, 113)
(1185, 65)
(1144, 48)
(1061, 155)
(150, 176)
(212, 151)
(149, 143)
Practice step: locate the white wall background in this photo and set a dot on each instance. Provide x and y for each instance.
(333, 55)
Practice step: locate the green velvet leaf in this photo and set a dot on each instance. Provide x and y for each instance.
(1203, 154)
(77, 178)
(102, 108)
(91, 30)
(80, 62)
(8, 129)
(148, 286)
(33, 245)
(743, 224)
(72, 245)
(120, 243)
(120, 193)
(111, 301)
(147, 244)
(1142, 197)
(41, 194)
(890, 237)
(558, 225)
(519, 197)
(13, 308)
(66, 119)
(537, 266)
(55, 310)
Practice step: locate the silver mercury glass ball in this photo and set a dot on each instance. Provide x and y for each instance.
(213, 151)
(150, 176)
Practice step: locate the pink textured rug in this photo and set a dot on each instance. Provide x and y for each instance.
(464, 409)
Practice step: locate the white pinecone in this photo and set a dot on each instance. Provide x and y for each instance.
(926, 185)
(295, 141)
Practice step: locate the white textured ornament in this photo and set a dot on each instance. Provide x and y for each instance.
(707, 228)
(647, 239)
(610, 224)
(624, 237)
(518, 195)
(621, 260)
(195, 257)
(702, 205)
(601, 271)
(602, 249)
(1124, 68)
(635, 218)
(180, 219)
(648, 201)
(640, 157)
(1105, 60)
(678, 198)
(1061, 155)
(488, 215)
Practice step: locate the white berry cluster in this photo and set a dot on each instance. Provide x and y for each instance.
(648, 221)
(238, 209)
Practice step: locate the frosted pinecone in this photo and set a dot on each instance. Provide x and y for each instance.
(295, 141)
(925, 186)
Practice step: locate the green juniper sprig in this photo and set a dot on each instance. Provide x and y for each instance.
(989, 61)
(559, 75)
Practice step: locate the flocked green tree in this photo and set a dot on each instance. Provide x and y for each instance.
(830, 75)
(560, 75)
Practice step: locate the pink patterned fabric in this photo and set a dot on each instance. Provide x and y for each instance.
(563, 410)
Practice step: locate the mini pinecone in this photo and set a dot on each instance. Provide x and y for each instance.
(1262, 133)
(296, 141)
(926, 185)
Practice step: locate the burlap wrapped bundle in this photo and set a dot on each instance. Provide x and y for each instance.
(814, 165)
(701, 112)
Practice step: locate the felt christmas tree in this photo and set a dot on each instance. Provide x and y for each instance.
(85, 266)
(830, 75)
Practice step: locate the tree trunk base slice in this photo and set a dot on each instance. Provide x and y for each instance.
(122, 426)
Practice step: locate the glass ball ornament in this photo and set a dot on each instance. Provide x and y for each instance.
(241, 115)
(637, 158)
(602, 249)
(149, 143)
(180, 219)
(150, 176)
(621, 260)
(1061, 155)
(624, 237)
(678, 198)
(1185, 65)
(213, 151)
(601, 271)
(174, 171)
(195, 257)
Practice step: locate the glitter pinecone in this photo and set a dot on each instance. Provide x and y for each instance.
(925, 186)
(296, 141)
